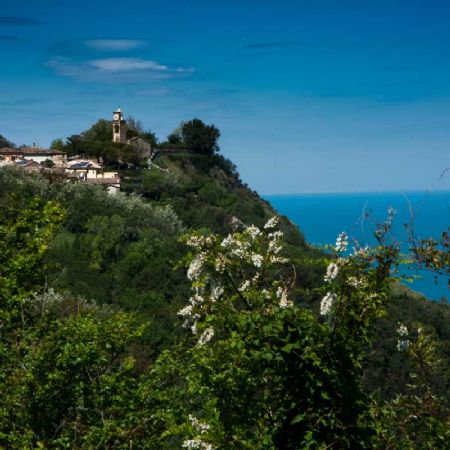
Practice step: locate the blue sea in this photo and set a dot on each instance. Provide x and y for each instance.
(321, 217)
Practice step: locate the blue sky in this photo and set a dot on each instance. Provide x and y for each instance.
(310, 96)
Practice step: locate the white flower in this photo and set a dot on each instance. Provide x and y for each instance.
(199, 241)
(201, 427)
(236, 247)
(186, 311)
(355, 282)
(216, 292)
(253, 231)
(276, 235)
(402, 331)
(220, 263)
(342, 242)
(195, 267)
(278, 259)
(282, 295)
(271, 223)
(257, 260)
(196, 299)
(206, 336)
(402, 343)
(235, 223)
(392, 211)
(197, 444)
(327, 303)
(361, 252)
(244, 286)
(332, 272)
(227, 241)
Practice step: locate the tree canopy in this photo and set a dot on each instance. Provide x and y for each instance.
(199, 137)
(5, 142)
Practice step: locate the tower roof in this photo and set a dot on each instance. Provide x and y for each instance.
(118, 110)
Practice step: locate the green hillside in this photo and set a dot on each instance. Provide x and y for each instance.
(127, 254)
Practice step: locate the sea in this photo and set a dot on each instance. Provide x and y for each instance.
(321, 217)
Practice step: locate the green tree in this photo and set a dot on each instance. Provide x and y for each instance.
(26, 230)
(101, 131)
(175, 138)
(199, 137)
(58, 144)
(5, 143)
(150, 137)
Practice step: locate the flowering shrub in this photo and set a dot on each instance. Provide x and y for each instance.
(262, 371)
(256, 370)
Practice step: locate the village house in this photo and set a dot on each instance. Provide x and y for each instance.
(36, 154)
(91, 172)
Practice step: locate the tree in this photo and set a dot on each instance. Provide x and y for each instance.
(101, 131)
(74, 144)
(200, 137)
(58, 144)
(135, 125)
(5, 143)
(150, 137)
(176, 138)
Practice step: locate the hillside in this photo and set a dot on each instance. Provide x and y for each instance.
(127, 251)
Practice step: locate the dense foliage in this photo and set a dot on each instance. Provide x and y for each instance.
(199, 137)
(282, 346)
(5, 142)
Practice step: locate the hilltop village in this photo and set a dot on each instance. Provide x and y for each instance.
(91, 155)
(110, 342)
(74, 168)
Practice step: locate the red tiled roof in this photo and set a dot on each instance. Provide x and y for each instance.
(29, 151)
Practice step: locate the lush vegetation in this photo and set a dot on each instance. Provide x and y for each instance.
(95, 142)
(263, 342)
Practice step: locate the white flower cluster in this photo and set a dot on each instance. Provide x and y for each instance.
(257, 259)
(191, 318)
(241, 248)
(275, 247)
(402, 330)
(391, 213)
(195, 267)
(361, 252)
(216, 292)
(332, 272)
(201, 427)
(196, 241)
(403, 342)
(206, 336)
(198, 444)
(355, 282)
(327, 303)
(282, 295)
(252, 231)
(342, 242)
(271, 223)
(220, 263)
(244, 286)
(236, 247)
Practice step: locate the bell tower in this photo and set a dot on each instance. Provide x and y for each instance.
(119, 127)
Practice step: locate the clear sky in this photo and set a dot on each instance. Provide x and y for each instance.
(310, 96)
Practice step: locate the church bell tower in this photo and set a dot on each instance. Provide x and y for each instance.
(119, 126)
